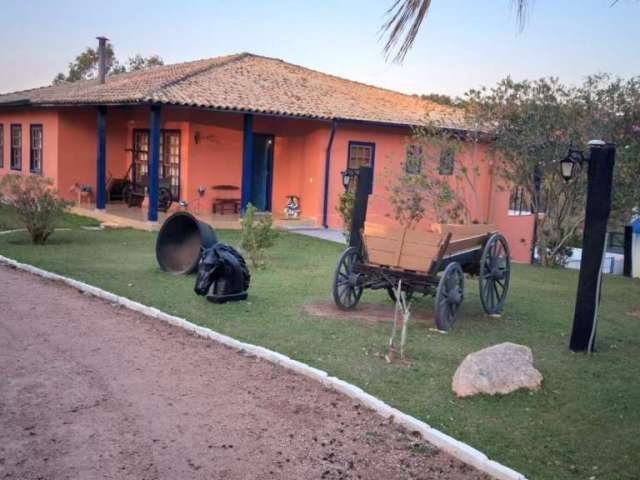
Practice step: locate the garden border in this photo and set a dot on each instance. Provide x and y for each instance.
(456, 448)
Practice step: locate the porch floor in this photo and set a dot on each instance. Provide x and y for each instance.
(120, 215)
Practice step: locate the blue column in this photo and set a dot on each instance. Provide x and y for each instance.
(327, 171)
(101, 159)
(154, 163)
(247, 161)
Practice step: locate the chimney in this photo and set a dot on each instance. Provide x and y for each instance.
(102, 58)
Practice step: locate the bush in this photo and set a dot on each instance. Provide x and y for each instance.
(36, 202)
(257, 235)
(345, 205)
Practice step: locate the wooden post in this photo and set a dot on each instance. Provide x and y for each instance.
(628, 241)
(599, 179)
(101, 159)
(247, 162)
(359, 214)
(154, 163)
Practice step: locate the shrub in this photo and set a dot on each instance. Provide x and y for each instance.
(257, 235)
(36, 202)
(345, 205)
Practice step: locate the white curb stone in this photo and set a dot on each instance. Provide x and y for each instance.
(457, 449)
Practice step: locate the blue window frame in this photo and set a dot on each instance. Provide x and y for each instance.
(413, 160)
(36, 142)
(16, 147)
(1, 145)
(360, 154)
(447, 161)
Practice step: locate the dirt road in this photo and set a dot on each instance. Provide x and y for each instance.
(89, 390)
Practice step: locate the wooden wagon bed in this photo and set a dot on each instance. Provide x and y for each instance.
(421, 251)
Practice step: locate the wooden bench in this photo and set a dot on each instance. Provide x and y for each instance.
(421, 251)
(226, 199)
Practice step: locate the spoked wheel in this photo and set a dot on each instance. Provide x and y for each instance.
(347, 288)
(495, 269)
(449, 296)
(164, 199)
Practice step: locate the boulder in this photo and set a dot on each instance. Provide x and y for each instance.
(501, 368)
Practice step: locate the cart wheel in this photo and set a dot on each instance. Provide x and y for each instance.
(126, 193)
(347, 288)
(495, 269)
(449, 296)
(164, 199)
(407, 291)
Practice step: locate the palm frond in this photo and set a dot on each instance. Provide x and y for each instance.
(405, 17)
(400, 15)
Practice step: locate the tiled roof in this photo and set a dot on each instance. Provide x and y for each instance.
(246, 83)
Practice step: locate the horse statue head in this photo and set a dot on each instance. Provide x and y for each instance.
(223, 275)
(210, 268)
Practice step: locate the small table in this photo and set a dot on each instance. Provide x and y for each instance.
(226, 200)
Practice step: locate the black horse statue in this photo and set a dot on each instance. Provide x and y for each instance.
(223, 275)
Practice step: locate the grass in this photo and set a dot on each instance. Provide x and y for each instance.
(9, 220)
(582, 424)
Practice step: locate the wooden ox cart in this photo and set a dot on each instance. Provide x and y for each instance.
(430, 263)
(427, 262)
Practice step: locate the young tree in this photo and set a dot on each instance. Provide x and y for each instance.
(36, 202)
(420, 191)
(85, 65)
(256, 235)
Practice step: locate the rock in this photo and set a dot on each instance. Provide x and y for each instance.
(501, 368)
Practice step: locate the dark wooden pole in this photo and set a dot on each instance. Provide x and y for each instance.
(363, 188)
(628, 241)
(101, 159)
(599, 179)
(247, 161)
(153, 178)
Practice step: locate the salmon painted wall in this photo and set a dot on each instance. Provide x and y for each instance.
(27, 117)
(216, 158)
(211, 154)
(298, 162)
(517, 229)
(390, 153)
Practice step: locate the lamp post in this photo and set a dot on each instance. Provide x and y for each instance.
(347, 175)
(599, 179)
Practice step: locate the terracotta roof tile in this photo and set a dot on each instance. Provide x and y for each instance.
(247, 82)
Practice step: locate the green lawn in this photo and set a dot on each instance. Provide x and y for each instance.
(9, 220)
(584, 423)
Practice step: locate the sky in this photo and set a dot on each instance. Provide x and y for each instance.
(463, 44)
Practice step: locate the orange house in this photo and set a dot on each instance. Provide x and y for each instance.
(262, 128)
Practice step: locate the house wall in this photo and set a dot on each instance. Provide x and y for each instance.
(26, 117)
(517, 229)
(390, 153)
(211, 154)
(485, 201)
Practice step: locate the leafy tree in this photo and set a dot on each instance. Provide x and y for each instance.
(138, 62)
(85, 65)
(534, 123)
(442, 99)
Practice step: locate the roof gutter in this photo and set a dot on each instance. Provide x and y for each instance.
(327, 171)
